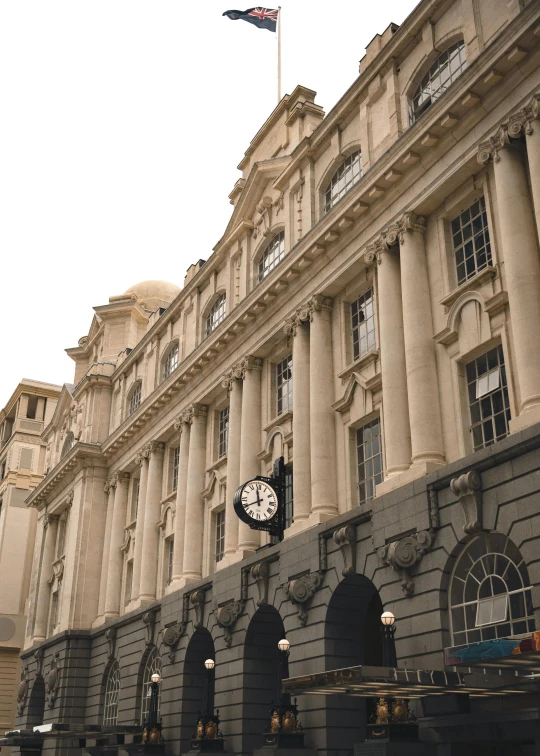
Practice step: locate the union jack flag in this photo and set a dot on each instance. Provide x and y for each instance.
(263, 18)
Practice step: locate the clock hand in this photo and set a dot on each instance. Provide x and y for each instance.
(258, 499)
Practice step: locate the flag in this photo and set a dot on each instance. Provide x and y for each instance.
(264, 18)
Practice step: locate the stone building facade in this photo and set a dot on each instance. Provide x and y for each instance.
(22, 462)
(372, 314)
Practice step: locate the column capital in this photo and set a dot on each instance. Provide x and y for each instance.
(123, 477)
(50, 519)
(489, 150)
(395, 233)
(319, 302)
(251, 363)
(155, 447)
(141, 455)
(374, 250)
(301, 315)
(199, 410)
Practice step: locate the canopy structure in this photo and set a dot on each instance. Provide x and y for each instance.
(519, 652)
(407, 683)
(32, 740)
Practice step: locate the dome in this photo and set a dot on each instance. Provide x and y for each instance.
(154, 294)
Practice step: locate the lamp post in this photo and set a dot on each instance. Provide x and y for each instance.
(284, 729)
(152, 725)
(209, 665)
(388, 629)
(284, 651)
(208, 736)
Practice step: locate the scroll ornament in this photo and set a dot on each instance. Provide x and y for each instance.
(404, 554)
(226, 618)
(301, 590)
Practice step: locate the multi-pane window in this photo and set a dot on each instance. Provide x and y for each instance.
(135, 398)
(440, 76)
(223, 439)
(490, 595)
(489, 404)
(170, 560)
(346, 176)
(369, 458)
(216, 314)
(152, 667)
(363, 324)
(289, 496)
(171, 363)
(129, 582)
(272, 255)
(69, 443)
(175, 467)
(112, 692)
(220, 535)
(470, 241)
(284, 385)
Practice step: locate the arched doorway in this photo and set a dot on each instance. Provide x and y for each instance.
(36, 703)
(261, 675)
(200, 648)
(352, 637)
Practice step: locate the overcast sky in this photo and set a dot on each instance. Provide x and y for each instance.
(122, 125)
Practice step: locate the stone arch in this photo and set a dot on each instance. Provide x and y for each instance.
(199, 648)
(424, 64)
(261, 674)
(352, 638)
(36, 703)
(334, 164)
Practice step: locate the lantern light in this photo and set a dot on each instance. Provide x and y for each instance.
(209, 664)
(284, 645)
(387, 618)
(155, 678)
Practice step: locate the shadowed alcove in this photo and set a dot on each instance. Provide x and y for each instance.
(200, 648)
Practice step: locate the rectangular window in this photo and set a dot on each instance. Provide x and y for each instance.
(129, 582)
(53, 619)
(223, 432)
(220, 535)
(489, 405)
(470, 241)
(135, 499)
(369, 459)
(175, 465)
(284, 385)
(363, 325)
(32, 407)
(61, 537)
(289, 497)
(170, 560)
(491, 610)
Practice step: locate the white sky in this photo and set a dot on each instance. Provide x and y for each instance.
(122, 125)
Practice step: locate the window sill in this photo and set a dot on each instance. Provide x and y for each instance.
(279, 420)
(367, 359)
(486, 274)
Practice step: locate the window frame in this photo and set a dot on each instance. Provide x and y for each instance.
(278, 370)
(366, 423)
(219, 534)
(153, 664)
(482, 401)
(371, 334)
(262, 270)
(329, 203)
(486, 232)
(223, 431)
(135, 392)
(216, 314)
(168, 368)
(428, 76)
(111, 694)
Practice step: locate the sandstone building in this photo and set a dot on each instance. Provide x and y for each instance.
(372, 314)
(22, 462)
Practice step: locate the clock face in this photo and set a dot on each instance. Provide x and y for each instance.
(259, 500)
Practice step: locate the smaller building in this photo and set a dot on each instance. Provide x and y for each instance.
(22, 467)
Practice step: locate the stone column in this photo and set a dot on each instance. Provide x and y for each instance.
(422, 382)
(527, 122)
(298, 328)
(50, 525)
(233, 383)
(321, 395)
(114, 570)
(152, 512)
(250, 442)
(183, 427)
(521, 259)
(397, 432)
(142, 460)
(194, 503)
(110, 490)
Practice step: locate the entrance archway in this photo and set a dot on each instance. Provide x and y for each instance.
(200, 648)
(261, 674)
(352, 637)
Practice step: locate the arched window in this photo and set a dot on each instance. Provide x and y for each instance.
(272, 255)
(346, 176)
(171, 361)
(436, 81)
(490, 595)
(134, 401)
(69, 443)
(152, 666)
(216, 314)
(112, 692)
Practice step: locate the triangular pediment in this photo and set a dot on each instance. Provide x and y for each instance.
(65, 400)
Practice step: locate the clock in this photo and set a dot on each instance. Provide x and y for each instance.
(259, 502)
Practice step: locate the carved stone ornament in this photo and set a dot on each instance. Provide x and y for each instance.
(22, 691)
(171, 636)
(404, 554)
(301, 590)
(38, 656)
(346, 540)
(226, 618)
(251, 363)
(374, 251)
(52, 681)
(408, 222)
(149, 619)
(304, 314)
(261, 574)
(110, 637)
(197, 599)
(489, 150)
(468, 489)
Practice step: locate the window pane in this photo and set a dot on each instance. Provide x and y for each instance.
(486, 379)
(440, 76)
(346, 176)
(363, 324)
(272, 255)
(369, 455)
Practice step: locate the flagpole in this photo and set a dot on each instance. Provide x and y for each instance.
(279, 55)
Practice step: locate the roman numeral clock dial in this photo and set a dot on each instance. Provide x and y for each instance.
(258, 503)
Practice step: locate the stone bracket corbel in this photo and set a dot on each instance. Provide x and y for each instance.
(171, 635)
(197, 599)
(22, 691)
(404, 554)
(110, 637)
(226, 616)
(52, 680)
(149, 619)
(301, 590)
(38, 656)
(468, 489)
(261, 574)
(345, 538)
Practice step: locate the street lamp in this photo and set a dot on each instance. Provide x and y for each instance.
(207, 735)
(209, 664)
(388, 629)
(284, 729)
(152, 726)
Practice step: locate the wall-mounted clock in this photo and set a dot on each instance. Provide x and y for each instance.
(259, 502)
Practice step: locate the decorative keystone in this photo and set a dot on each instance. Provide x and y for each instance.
(171, 635)
(301, 590)
(149, 619)
(468, 489)
(110, 637)
(197, 600)
(261, 574)
(346, 540)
